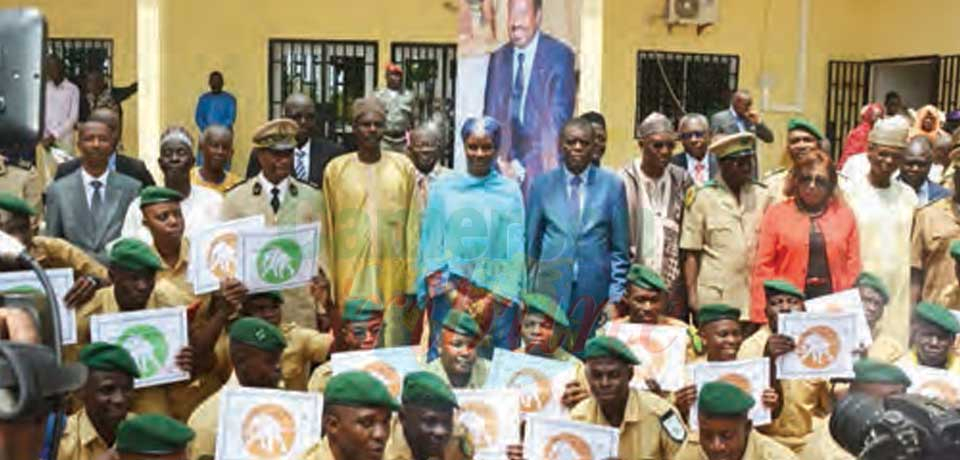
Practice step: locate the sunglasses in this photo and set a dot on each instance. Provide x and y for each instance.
(693, 135)
(821, 182)
(660, 145)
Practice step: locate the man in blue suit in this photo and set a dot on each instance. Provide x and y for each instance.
(578, 233)
(530, 91)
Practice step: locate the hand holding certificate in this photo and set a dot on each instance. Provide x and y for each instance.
(539, 381)
(661, 350)
(267, 424)
(825, 343)
(153, 337)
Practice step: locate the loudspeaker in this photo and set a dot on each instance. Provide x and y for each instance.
(23, 35)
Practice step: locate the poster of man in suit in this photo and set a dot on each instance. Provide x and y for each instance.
(518, 61)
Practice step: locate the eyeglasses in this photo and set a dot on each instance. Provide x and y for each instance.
(660, 145)
(821, 182)
(693, 135)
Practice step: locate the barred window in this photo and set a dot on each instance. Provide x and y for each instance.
(430, 70)
(80, 54)
(333, 73)
(678, 83)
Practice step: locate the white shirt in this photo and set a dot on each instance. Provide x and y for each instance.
(528, 54)
(305, 151)
(269, 186)
(856, 167)
(88, 189)
(62, 110)
(692, 163)
(200, 209)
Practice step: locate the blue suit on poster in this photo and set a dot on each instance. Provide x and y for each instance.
(547, 98)
(584, 264)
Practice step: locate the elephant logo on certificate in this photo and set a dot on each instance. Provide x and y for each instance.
(279, 260)
(480, 419)
(739, 381)
(933, 383)
(269, 431)
(222, 255)
(567, 446)
(147, 346)
(655, 347)
(939, 389)
(535, 389)
(825, 345)
(492, 417)
(818, 347)
(386, 374)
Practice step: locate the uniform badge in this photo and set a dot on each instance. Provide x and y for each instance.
(670, 422)
(690, 197)
(293, 190)
(257, 189)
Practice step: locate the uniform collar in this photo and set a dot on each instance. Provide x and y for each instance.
(87, 432)
(182, 259)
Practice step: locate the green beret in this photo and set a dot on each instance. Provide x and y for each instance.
(869, 370)
(804, 125)
(873, 282)
(427, 388)
(133, 254)
(153, 195)
(545, 304)
(358, 388)
(782, 287)
(357, 309)
(15, 205)
(153, 434)
(715, 312)
(609, 347)
(24, 290)
(938, 315)
(723, 398)
(257, 333)
(644, 277)
(108, 357)
(734, 146)
(955, 249)
(462, 323)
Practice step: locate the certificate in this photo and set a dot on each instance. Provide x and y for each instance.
(660, 349)
(539, 381)
(267, 424)
(214, 252)
(844, 302)
(61, 279)
(555, 439)
(825, 343)
(934, 383)
(750, 375)
(279, 258)
(493, 419)
(153, 337)
(390, 365)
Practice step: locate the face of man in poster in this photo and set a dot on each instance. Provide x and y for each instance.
(524, 18)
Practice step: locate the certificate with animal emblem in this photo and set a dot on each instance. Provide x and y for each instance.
(215, 253)
(662, 350)
(539, 381)
(267, 424)
(153, 337)
(934, 383)
(61, 279)
(825, 343)
(279, 258)
(493, 419)
(844, 302)
(556, 439)
(750, 375)
(390, 365)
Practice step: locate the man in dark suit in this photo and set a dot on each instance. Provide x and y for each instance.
(122, 164)
(700, 164)
(741, 117)
(577, 233)
(915, 171)
(87, 206)
(312, 153)
(530, 91)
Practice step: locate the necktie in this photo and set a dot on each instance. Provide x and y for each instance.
(275, 201)
(516, 96)
(96, 202)
(574, 202)
(698, 173)
(300, 169)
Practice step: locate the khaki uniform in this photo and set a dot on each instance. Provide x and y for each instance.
(776, 181)
(80, 440)
(177, 274)
(759, 447)
(827, 448)
(460, 446)
(305, 347)
(481, 369)
(319, 378)
(725, 232)
(301, 204)
(204, 422)
(58, 253)
(935, 226)
(651, 430)
(803, 401)
(319, 451)
(885, 349)
(22, 180)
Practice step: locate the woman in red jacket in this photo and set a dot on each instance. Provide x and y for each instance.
(810, 240)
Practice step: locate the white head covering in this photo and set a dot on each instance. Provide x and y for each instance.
(890, 132)
(655, 123)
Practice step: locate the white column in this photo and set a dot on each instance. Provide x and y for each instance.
(591, 56)
(148, 78)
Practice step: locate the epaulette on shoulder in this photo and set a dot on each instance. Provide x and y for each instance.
(310, 184)
(238, 184)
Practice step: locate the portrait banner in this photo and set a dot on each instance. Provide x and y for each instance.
(153, 337)
(539, 381)
(493, 419)
(214, 253)
(390, 365)
(659, 348)
(934, 383)
(825, 343)
(556, 439)
(61, 279)
(844, 302)
(267, 424)
(279, 258)
(750, 375)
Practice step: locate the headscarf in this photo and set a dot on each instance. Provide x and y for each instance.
(856, 141)
(917, 129)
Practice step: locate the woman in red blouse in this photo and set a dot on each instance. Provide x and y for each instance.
(810, 240)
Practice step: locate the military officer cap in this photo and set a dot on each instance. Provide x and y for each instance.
(15, 205)
(153, 195)
(782, 287)
(804, 125)
(609, 347)
(873, 282)
(545, 304)
(133, 254)
(462, 323)
(645, 277)
(955, 249)
(279, 135)
(723, 399)
(153, 434)
(257, 333)
(716, 312)
(938, 316)
(108, 357)
(734, 145)
(426, 388)
(357, 309)
(358, 388)
(869, 370)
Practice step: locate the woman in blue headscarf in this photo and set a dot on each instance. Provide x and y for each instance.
(472, 243)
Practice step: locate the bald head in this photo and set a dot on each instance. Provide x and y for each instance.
(300, 108)
(917, 161)
(742, 102)
(919, 145)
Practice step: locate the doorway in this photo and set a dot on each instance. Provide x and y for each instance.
(916, 80)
